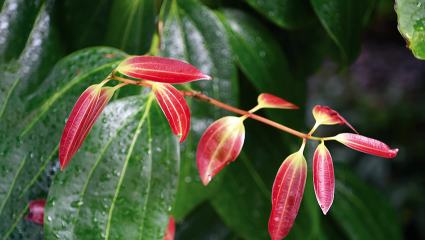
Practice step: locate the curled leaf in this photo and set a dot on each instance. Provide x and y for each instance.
(160, 69)
(288, 189)
(366, 145)
(325, 115)
(266, 100)
(174, 107)
(323, 177)
(220, 145)
(171, 229)
(36, 213)
(82, 118)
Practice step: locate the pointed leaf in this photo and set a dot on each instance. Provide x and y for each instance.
(160, 69)
(325, 115)
(266, 100)
(366, 145)
(220, 145)
(287, 193)
(171, 229)
(174, 107)
(36, 213)
(323, 177)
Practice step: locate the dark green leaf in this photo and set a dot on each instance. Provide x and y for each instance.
(411, 24)
(193, 33)
(344, 21)
(203, 223)
(122, 184)
(131, 25)
(360, 211)
(289, 14)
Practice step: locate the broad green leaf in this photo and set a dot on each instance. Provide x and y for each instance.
(411, 24)
(289, 14)
(193, 33)
(123, 181)
(32, 125)
(203, 223)
(360, 211)
(344, 22)
(244, 199)
(131, 25)
(84, 23)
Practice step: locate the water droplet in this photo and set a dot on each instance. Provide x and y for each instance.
(76, 204)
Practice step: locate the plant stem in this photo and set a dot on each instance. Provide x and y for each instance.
(139, 83)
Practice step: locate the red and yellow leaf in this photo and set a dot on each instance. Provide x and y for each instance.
(171, 229)
(266, 100)
(82, 118)
(160, 69)
(288, 189)
(323, 177)
(174, 107)
(366, 145)
(326, 116)
(221, 144)
(36, 213)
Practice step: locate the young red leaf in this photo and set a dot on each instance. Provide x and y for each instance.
(266, 100)
(82, 118)
(325, 115)
(174, 107)
(220, 145)
(171, 229)
(287, 193)
(366, 145)
(323, 177)
(160, 69)
(36, 213)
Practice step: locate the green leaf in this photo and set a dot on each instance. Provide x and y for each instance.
(123, 181)
(202, 223)
(193, 33)
(244, 199)
(411, 24)
(289, 14)
(131, 25)
(360, 211)
(344, 21)
(32, 125)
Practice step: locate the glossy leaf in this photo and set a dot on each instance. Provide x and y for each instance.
(192, 33)
(36, 213)
(287, 193)
(171, 229)
(411, 24)
(266, 100)
(323, 177)
(344, 22)
(174, 107)
(123, 184)
(131, 25)
(160, 69)
(291, 14)
(221, 144)
(325, 115)
(366, 145)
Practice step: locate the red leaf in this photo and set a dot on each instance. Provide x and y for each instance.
(160, 69)
(82, 118)
(323, 177)
(36, 213)
(287, 193)
(171, 229)
(366, 145)
(266, 100)
(174, 107)
(220, 144)
(325, 115)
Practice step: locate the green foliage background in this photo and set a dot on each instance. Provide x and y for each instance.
(131, 173)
